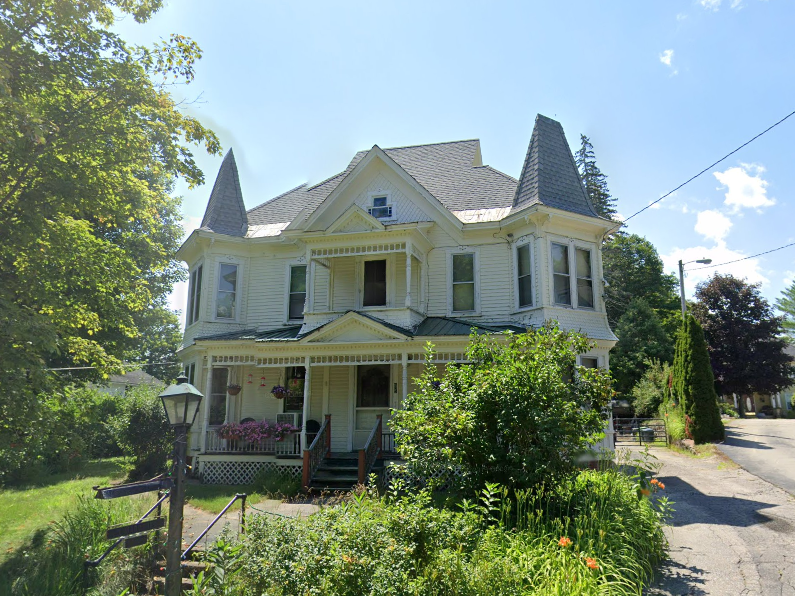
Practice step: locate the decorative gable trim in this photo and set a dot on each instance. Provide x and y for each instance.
(355, 219)
(353, 327)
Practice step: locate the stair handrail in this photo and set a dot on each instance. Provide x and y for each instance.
(317, 451)
(371, 451)
(242, 497)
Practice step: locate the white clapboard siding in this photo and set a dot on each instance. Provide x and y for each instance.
(344, 274)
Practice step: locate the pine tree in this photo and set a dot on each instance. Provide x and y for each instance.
(694, 384)
(786, 304)
(594, 180)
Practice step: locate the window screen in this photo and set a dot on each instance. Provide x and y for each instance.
(464, 282)
(524, 275)
(584, 279)
(560, 274)
(227, 292)
(373, 386)
(374, 283)
(297, 291)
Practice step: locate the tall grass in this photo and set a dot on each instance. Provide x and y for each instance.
(52, 562)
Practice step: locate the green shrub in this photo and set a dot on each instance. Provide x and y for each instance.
(517, 414)
(506, 543)
(650, 391)
(142, 431)
(52, 563)
(728, 409)
(276, 484)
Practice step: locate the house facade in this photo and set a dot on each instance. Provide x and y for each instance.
(332, 291)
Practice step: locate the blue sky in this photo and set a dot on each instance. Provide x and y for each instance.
(662, 89)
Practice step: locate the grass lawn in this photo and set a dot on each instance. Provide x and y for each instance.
(214, 497)
(28, 508)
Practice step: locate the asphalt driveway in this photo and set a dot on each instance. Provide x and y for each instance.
(765, 448)
(732, 533)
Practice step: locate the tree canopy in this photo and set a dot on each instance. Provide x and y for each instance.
(594, 180)
(786, 304)
(92, 142)
(745, 339)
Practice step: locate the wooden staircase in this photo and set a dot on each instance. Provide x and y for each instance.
(339, 472)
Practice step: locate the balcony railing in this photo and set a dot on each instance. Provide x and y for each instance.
(289, 445)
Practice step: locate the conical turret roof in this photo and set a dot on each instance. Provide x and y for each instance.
(226, 213)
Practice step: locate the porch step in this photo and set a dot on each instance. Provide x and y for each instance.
(339, 473)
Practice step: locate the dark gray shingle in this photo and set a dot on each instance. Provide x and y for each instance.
(226, 213)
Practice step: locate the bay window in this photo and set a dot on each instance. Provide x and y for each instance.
(226, 299)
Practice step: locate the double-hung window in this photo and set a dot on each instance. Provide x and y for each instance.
(561, 279)
(374, 283)
(218, 396)
(226, 300)
(297, 294)
(572, 289)
(524, 275)
(190, 372)
(463, 282)
(194, 295)
(584, 278)
(380, 209)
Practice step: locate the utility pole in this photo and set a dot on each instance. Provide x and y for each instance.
(682, 282)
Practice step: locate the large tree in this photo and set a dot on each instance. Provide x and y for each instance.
(641, 339)
(92, 142)
(594, 180)
(634, 269)
(786, 304)
(745, 339)
(693, 384)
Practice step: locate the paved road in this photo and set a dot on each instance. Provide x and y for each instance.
(766, 448)
(732, 532)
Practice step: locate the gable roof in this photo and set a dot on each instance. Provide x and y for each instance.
(550, 175)
(454, 174)
(226, 213)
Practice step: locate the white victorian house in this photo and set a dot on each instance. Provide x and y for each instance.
(333, 290)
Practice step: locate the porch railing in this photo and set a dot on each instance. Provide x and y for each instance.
(317, 452)
(289, 445)
(372, 449)
(388, 447)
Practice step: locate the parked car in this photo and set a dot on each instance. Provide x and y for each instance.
(766, 412)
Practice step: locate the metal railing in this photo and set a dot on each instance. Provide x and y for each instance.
(317, 452)
(289, 445)
(371, 451)
(242, 497)
(639, 431)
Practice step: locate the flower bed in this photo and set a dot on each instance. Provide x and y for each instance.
(254, 432)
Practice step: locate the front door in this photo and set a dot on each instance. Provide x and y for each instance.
(373, 382)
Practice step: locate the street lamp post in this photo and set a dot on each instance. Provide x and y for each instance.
(682, 281)
(181, 403)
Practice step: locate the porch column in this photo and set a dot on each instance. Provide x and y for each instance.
(208, 387)
(408, 274)
(405, 390)
(307, 383)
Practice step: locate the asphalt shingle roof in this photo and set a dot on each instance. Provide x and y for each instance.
(226, 213)
(280, 334)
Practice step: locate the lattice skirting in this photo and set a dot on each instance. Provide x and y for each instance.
(404, 473)
(241, 472)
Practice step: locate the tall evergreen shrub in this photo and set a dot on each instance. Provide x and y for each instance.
(694, 384)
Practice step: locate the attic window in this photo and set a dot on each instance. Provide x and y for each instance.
(380, 208)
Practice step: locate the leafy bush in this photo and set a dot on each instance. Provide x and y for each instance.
(276, 484)
(521, 413)
(142, 431)
(53, 562)
(593, 533)
(650, 392)
(728, 409)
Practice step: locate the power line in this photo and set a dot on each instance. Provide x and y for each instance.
(710, 166)
(743, 259)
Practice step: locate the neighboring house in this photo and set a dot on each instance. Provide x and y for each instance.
(781, 402)
(121, 384)
(333, 290)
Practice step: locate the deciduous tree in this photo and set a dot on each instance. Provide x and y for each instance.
(745, 340)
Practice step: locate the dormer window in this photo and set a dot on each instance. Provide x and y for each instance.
(380, 209)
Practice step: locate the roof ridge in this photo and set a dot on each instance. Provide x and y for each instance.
(429, 144)
(495, 170)
(329, 179)
(277, 197)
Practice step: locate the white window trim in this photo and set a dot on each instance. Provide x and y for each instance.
(287, 276)
(201, 292)
(476, 271)
(526, 241)
(377, 194)
(599, 363)
(238, 290)
(390, 281)
(573, 245)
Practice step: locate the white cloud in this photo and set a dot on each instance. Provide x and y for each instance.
(749, 269)
(713, 225)
(681, 16)
(667, 59)
(745, 187)
(710, 4)
(737, 4)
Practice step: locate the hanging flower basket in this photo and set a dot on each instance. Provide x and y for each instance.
(233, 389)
(279, 392)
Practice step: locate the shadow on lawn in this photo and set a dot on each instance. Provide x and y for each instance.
(115, 467)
